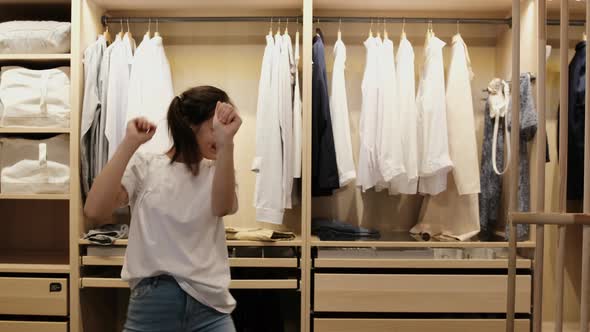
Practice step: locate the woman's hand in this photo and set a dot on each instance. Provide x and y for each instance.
(226, 123)
(139, 131)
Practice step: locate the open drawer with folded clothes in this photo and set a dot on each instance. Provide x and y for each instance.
(34, 166)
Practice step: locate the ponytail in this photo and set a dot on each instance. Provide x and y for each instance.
(191, 108)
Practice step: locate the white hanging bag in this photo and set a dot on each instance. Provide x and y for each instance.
(35, 98)
(34, 37)
(36, 176)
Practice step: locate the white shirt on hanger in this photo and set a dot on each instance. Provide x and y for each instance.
(268, 197)
(103, 145)
(435, 162)
(389, 149)
(407, 183)
(460, 120)
(297, 107)
(286, 115)
(339, 117)
(118, 89)
(368, 172)
(151, 91)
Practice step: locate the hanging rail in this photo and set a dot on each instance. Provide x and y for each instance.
(179, 19)
(323, 19)
(437, 20)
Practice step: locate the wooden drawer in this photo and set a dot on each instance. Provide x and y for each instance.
(19, 326)
(418, 293)
(33, 296)
(417, 325)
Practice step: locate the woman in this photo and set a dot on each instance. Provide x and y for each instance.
(176, 261)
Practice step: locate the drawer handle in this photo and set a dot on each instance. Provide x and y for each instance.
(54, 287)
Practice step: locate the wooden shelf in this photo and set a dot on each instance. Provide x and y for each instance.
(419, 263)
(316, 242)
(34, 261)
(35, 57)
(60, 197)
(230, 243)
(235, 284)
(233, 262)
(27, 130)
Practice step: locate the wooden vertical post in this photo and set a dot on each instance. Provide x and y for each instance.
(75, 209)
(514, 143)
(585, 306)
(563, 143)
(306, 167)
(540, 165)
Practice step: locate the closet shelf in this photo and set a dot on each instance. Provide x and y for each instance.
(316, 242)
(233, 262)
(60, 197)
(35, 57)
(418, 263)
(27, 130)
(235, 284)
(34, 261)
(230, 243)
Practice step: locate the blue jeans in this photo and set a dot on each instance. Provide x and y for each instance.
(158, 304)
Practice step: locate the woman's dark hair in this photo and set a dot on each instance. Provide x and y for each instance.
(192, 107)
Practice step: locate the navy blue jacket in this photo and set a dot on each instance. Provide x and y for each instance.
(576, 117)
(324, 170)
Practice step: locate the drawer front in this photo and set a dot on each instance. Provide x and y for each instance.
(417, 325)
(34, 296)
(18, 326)
(418, 293)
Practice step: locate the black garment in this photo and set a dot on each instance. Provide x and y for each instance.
(324, 170)
(576, 118)
(334, 230)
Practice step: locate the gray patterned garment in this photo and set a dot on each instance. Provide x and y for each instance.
(491, 183)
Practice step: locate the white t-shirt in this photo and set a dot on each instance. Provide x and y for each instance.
(173, 229)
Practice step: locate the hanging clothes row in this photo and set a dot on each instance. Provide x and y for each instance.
(122, 83)
(278, 128)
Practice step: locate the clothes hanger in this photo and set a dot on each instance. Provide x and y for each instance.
(279, 28)
(458, 30)
(378, 30)
(432, 34)
(128, 33)
(157, 33)
(149, 30)
(286, 28)
(339, 29)
(270, 28)
(120, 34)
(371, 29)
(584, 37)
(385, 34)
(106, 34)
(404, 28)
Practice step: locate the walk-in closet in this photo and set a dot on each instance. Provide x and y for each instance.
(381, 184)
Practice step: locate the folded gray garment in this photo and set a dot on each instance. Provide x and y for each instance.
(257, 234)
(107, 234)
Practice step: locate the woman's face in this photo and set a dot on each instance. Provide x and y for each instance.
(206, 140)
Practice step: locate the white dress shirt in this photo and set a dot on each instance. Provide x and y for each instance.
(389, 149)
(118, 89)
(368, 171)
(407, 183)
(339, 117)
(286, 115)
(297, 121)
(268, 163)
(151, 91)
(435, 161)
